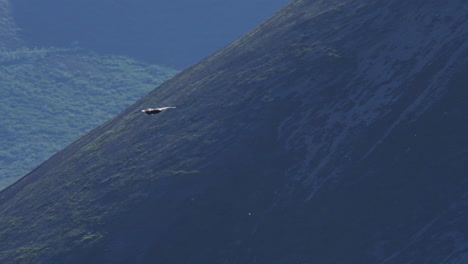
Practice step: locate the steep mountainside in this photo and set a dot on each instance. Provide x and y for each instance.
(334, 132)
(8, 29)
(177, 33)
(49, 97)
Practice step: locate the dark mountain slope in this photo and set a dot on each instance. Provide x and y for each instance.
(332, 133)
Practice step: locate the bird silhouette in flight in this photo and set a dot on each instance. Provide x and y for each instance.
(153, 111)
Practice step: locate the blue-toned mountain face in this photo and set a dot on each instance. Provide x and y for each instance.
(335, 132)
(175, 33)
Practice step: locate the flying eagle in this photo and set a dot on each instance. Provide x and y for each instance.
(153, 111)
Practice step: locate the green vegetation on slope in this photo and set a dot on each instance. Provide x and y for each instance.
(48, 97)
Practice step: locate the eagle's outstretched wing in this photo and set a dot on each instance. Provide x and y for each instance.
(164, 108)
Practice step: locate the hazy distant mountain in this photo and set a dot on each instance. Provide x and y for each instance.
(8, 29)
(169, 32)
(335, 132)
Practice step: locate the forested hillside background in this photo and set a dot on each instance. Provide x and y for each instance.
(67, 66)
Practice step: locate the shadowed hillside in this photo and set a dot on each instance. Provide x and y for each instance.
(333, 132)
